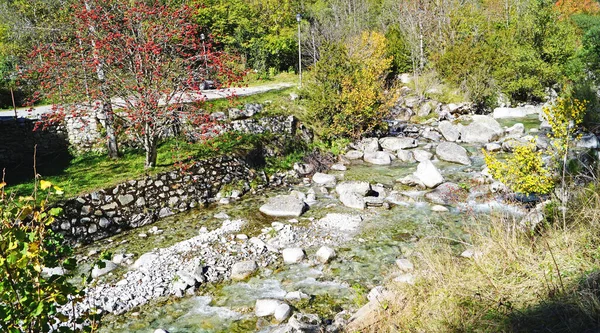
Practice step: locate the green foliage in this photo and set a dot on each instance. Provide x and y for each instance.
(399, 50)
(29, 299)
(523, 172)
(347, 93)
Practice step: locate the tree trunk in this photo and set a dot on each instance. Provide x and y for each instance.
(109, 126)
(150, 145)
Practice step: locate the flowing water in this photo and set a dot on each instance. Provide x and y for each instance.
(365, 261)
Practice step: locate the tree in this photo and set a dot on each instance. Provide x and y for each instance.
(147, 56)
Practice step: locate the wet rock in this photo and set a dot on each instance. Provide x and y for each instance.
(354, 155)
(483, 129)
(284, 205)
(428, 174)
(451, 152)
(243, 269)
(324, 179)
(293, 255)
(395, 143)
(411, 180)
(378, 158)
(449, 131)
(325, 254)
(109, 266)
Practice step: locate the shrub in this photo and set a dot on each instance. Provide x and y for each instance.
(347, 95)
(29, 299)
(523, 172)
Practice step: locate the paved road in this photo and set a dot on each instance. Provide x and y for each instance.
(209, 94)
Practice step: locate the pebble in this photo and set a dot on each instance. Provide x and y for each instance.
(325, 254)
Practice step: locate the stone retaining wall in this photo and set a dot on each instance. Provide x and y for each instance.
(135, 203)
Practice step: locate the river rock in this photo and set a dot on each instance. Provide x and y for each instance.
(451, 152)
(282, 312)
(482, 129)
(449, 131)
(422, 155)
(445, 194)
(360, 187)
(431, 135)
(354, 155)
(293, 255)
(284, 205)
(341, 222)
(369, 145)
(395, 143)
(428, 174)
(266, 307)
(243, 269)
(353, 200)
(378, 158)
(493, 147)
(405, 156)
(324, 179)
(338, 167)
(304, 169)
(295, 296)
(517, 129)
(325, 254)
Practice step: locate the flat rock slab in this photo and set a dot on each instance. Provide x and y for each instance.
(483, 129)
(451, 152)
(341, 222)
(283, 206)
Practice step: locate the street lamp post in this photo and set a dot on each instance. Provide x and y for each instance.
(299, 18)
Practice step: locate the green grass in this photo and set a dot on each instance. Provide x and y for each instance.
(93, 171)
(254, 79)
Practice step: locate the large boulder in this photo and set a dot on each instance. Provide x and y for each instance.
(449, 131)
(428, 174)
(482, 129)
(352, 193)
(515, 130)
(359, 187)
(284, 205)
(368, 145)
(354, 155)
(378, 158)
(395, 143)
(293, 255)
(451, 152)
(589, 141)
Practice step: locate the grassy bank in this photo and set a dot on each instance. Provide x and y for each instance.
(518, 282)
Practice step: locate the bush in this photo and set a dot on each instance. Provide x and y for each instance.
(29, 299)
(347, 95)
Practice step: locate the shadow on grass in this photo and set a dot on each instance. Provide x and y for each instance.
(577, 311)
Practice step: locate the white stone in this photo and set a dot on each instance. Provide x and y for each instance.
(428, 174)
(323, 179)
(395, 143)
(378, 158)
(325, 254)
(421, 155)
(341, 222)
(405, 278)
(266, 307)
(295, 296)
(451, 152)
(449, 131)
(282, 312)
(338, 167)
(354, 155)
(293, 255)
(284, 205)
(439, 209)
(243, 269)
(109, 267)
